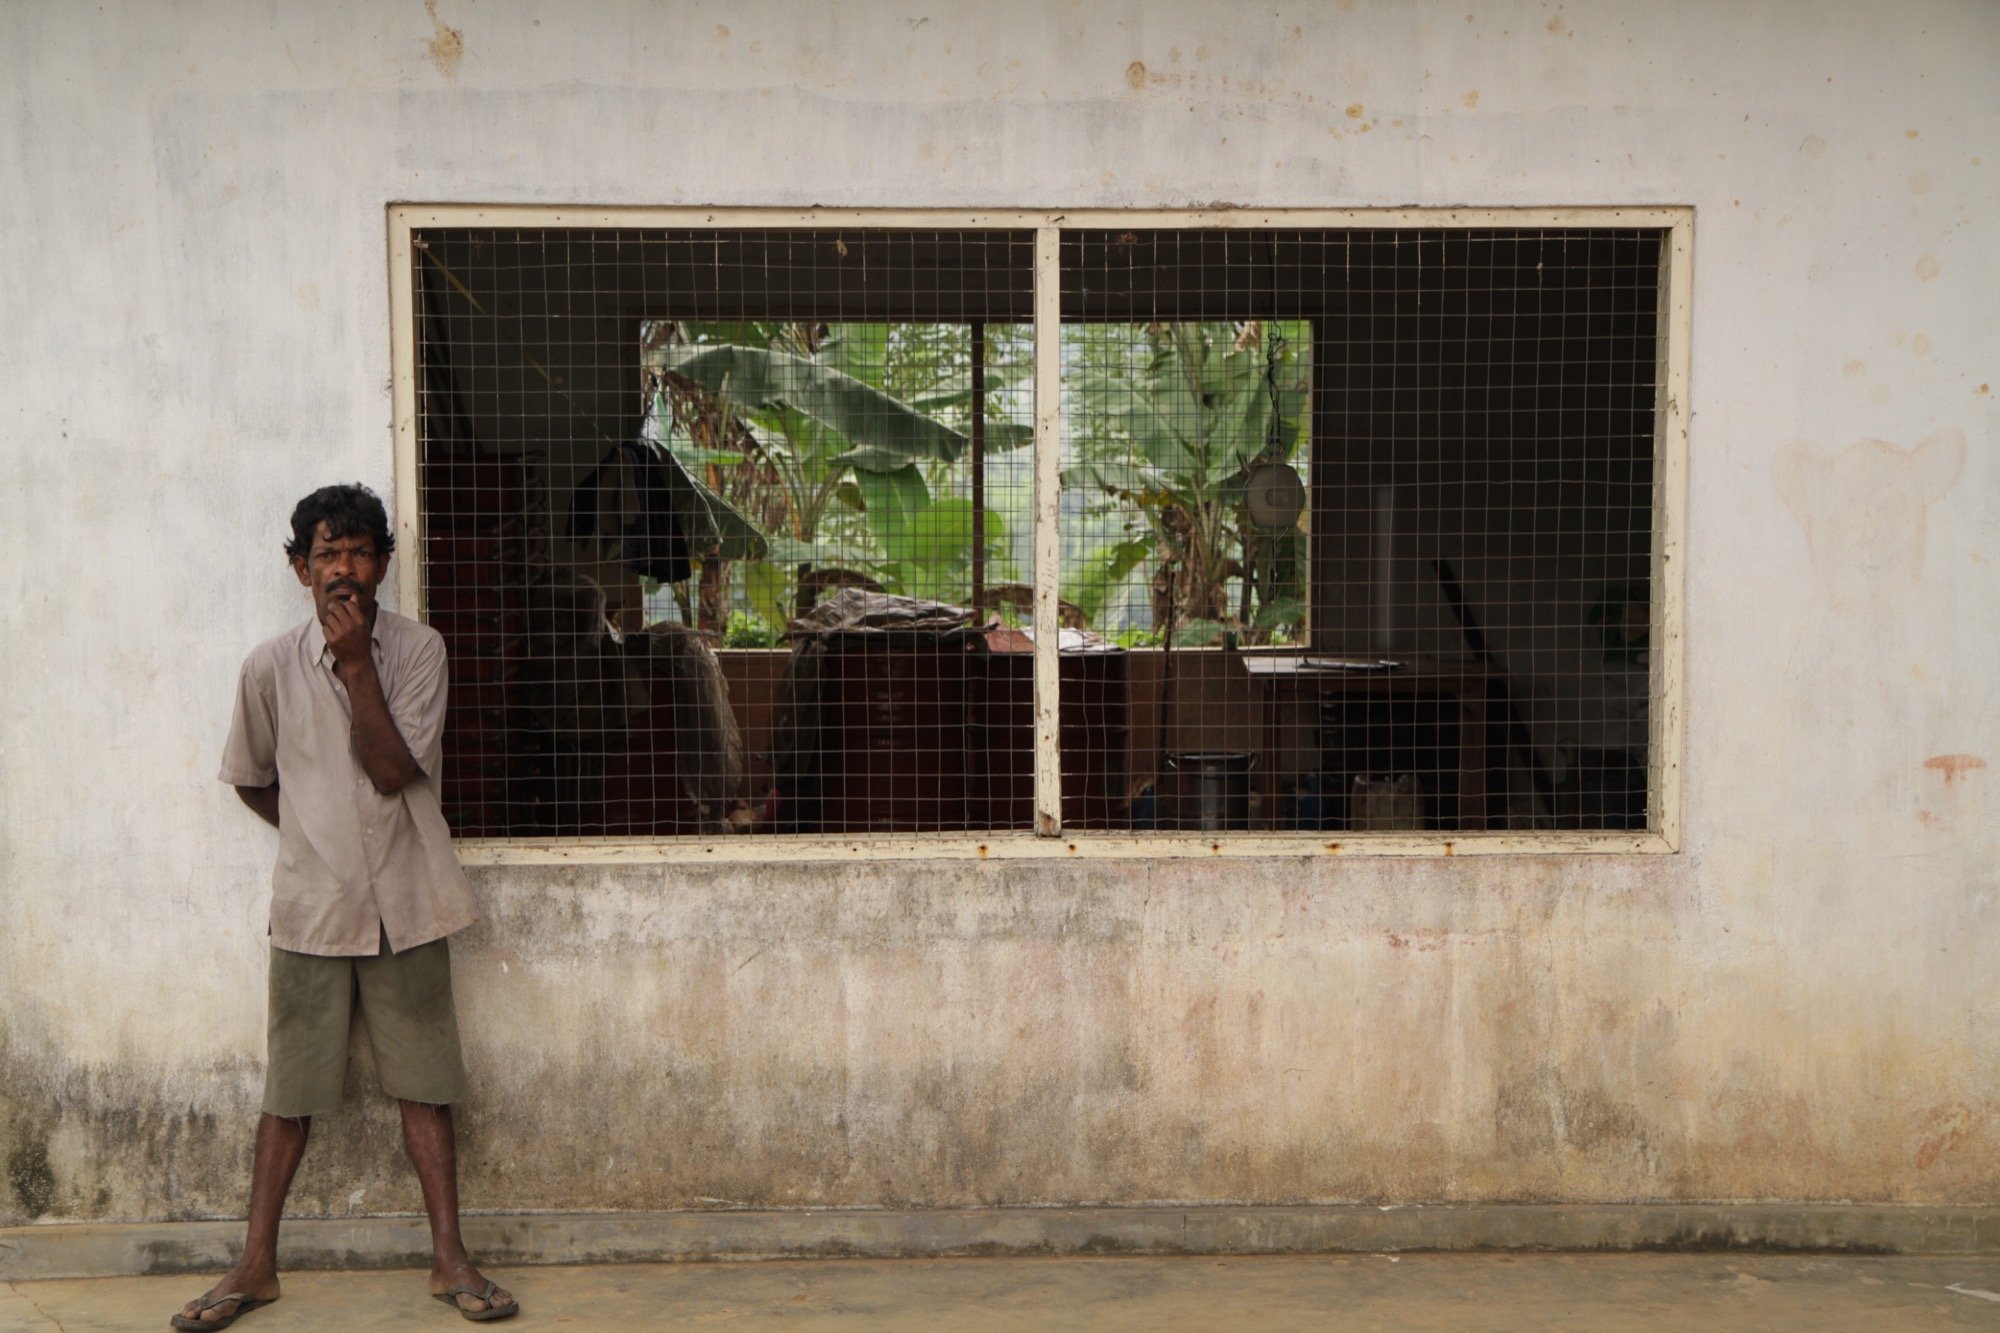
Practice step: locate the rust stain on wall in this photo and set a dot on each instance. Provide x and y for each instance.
(446, 44)
(1954, 766)
(1945, 1128)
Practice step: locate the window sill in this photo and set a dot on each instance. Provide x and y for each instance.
(1012, 845)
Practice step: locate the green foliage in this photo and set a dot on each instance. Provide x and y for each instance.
(1135, 637)
(892, 500)
(925, 544)
(747, 629)
(1090, 578)
(867, 420)
(1276, 615)
(767, 588)
(931, 555)
(1166, 422)
(835, 436)
(846, 444)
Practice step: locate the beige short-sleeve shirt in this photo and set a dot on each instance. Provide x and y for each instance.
(352, 863)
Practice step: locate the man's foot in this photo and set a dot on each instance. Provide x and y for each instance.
(237, 1294)
(467, 1288)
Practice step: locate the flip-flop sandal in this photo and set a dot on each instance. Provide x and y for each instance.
(195, 1322)
(491, 1311)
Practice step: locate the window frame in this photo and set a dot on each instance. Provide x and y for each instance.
(1666, 683)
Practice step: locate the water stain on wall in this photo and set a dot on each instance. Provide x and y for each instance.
(1858, 707)
(83, 1142)
(1549, 1114)
(1945, 1129)
(32, 1178)
(446, 44)
(989, 1035)
(1864, 509)
(1776, 1142)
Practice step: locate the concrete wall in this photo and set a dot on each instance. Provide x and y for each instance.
(1800, 1005)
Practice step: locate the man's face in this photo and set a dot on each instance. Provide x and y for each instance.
(341, 569)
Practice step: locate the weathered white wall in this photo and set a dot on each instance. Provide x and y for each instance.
(1801, 1005)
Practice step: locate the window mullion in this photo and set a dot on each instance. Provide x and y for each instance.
(1048, 498)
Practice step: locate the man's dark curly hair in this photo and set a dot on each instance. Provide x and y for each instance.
(347, 511)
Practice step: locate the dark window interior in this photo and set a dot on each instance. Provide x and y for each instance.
(729, 531)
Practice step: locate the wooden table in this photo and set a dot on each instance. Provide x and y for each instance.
(1291, 681)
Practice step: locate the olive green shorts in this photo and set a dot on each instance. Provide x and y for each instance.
(405, 1001)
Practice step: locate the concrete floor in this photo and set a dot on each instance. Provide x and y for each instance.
(1431, 1291)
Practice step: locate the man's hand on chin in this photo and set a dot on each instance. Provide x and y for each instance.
(346, 626)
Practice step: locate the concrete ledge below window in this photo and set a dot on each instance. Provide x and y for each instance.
(1008, 845)
(90, 1249)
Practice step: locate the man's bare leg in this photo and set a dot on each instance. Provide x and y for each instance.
(427, 1133)
(281, 1143)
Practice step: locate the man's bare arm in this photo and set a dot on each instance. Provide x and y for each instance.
(264, 800)
(385, 756)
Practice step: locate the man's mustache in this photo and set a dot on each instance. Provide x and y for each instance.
(347, 584)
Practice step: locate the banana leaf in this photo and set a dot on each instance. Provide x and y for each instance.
(894, 501)
(1004, 435)
(997, 379)
(941, 535)
(1093, 578)
(863, 415)
(825, 551)
(861, 350)
(711, 524)
(1284, 611)
(1118, 478)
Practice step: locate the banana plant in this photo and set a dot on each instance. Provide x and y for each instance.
(797, 424)
(1173, 432)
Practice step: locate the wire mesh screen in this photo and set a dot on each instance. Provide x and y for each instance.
(1370, 516)
(729, 532)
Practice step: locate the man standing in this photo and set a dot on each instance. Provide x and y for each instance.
(337, 741)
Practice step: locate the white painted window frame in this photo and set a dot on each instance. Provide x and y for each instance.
(1048, 840)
